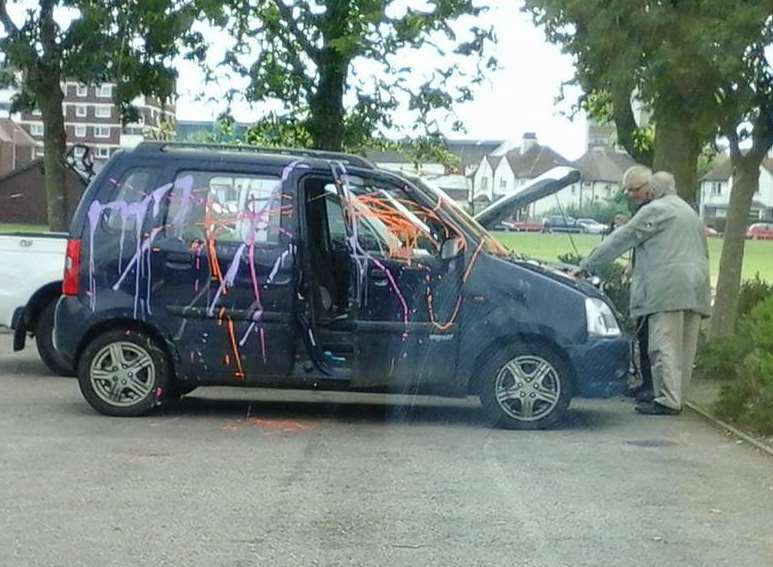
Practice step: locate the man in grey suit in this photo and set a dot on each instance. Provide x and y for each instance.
(670, 282)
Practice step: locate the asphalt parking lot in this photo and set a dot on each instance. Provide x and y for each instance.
(238, 477)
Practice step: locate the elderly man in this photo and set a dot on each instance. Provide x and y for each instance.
(670, 281)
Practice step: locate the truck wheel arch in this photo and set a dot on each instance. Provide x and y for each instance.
(38, 301)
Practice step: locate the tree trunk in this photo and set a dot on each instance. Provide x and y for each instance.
(326, 124)
(50, 97)
(677, 148)
(745, 184)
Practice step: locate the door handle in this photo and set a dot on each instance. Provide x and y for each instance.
(379, 277)
(179, 260)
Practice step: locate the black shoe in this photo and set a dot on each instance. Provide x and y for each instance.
(654, 408)
(645, 396)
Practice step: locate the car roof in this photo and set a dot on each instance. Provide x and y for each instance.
(250, 154)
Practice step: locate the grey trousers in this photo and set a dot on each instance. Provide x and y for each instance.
(673, 341)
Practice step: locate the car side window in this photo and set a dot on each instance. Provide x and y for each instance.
(391, 223)
(227, 207)
(135, 185)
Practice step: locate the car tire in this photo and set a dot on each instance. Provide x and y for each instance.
(526, 386)
(44, 342)
(124, 373)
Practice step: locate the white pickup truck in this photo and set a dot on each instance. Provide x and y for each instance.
(30, 285)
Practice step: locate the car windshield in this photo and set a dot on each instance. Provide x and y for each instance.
(464, 219)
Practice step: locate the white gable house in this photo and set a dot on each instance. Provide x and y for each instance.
(715, 187)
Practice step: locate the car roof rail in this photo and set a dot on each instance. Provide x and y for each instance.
(348, 159)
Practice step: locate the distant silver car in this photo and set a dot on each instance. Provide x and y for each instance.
(590, 226)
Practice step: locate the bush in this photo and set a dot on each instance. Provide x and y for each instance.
(719, 359)
(752, 293)
(748, 400)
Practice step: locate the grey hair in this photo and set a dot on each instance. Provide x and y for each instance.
(636, 176)
(663, 183)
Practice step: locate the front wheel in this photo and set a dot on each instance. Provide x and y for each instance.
(123, 373)
(527, 386)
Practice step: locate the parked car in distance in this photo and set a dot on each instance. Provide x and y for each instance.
(522, 226)
(760, 231)
(591, 226)
(711, 232)
(559, 223)
(332, 274)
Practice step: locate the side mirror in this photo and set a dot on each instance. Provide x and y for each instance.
(451, 248)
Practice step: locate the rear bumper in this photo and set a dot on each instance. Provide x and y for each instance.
(601, 366)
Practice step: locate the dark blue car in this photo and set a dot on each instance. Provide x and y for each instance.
(190, 266)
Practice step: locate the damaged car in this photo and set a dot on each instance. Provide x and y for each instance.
(193, 266)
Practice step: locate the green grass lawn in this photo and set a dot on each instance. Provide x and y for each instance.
(758, 254)
(12, 227)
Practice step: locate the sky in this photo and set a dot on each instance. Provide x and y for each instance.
(519, 97)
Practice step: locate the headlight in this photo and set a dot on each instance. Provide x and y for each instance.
(601, 321)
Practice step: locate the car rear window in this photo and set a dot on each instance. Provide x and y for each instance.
(227, 206)
(134, 186)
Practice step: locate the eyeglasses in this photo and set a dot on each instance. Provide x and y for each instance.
(634, 189)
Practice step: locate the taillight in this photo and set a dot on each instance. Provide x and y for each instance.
(72, 268)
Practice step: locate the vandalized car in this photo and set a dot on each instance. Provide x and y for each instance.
(193, 266)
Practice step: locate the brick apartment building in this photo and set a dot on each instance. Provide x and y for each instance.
(92, 118)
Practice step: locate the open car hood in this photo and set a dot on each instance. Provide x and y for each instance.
(545, 185)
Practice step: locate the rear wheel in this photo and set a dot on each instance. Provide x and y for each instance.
(44, 341)
(527, 386)
(123, 373)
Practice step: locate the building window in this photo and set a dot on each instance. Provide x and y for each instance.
(40, 152)
(105, 91)
(102, 111)
(36, 112)
(79, 151)
(716, 189)
(80, 131)
(82, 90)
(81, 111)
(484, 184)
(101, 132)
(102, 152)
(36, 129)
(503, 183)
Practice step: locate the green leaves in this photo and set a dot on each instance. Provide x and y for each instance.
(308, 53)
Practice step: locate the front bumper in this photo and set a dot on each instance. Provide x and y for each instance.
(601, 366)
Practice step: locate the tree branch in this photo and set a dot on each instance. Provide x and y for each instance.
(625, 123)
(10, 27)
(300, 37)
(762, 134)
(48, 28)
(735, 147)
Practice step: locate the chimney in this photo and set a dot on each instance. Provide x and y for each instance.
(529, 141)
